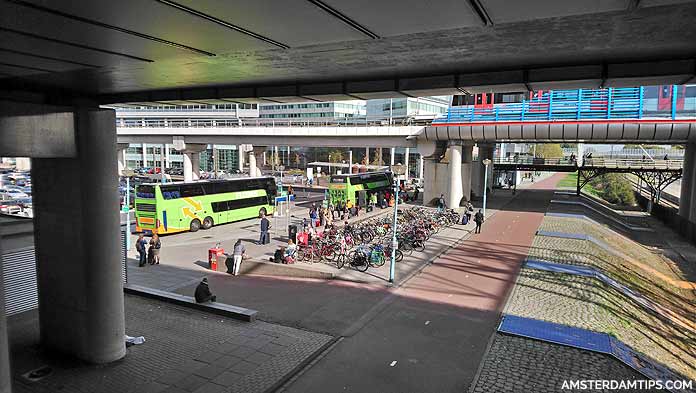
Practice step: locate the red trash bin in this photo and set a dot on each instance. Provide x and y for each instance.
(213, 255)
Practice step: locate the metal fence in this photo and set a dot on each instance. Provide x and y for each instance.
(19, 276)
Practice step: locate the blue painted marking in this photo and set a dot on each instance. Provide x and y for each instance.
(164, 219)
(560, 268)
(587, 340)
(578, 236)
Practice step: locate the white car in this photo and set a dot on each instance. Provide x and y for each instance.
(12, 194)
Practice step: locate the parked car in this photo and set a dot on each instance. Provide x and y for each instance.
(9, 207)
(12, 194)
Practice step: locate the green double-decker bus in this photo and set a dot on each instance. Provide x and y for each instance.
(348, 187)
(178, 207)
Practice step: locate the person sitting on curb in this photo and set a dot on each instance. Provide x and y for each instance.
(203, 293)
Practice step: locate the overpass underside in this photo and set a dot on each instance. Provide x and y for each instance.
(652, 131)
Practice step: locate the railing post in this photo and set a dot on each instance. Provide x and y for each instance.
(550, 109)
(449, 114)
(496, 113)
(640, 102)
(674, 102)
(609, 102)
(524, 105)
(577, 117)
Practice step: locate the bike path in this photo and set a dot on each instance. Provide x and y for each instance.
(433, 334)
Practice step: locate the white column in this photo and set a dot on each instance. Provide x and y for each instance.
(252, 163)
(420, 167)
(367, 156)
(288, 158)
(144, 155)
(264, 158)
(121, 155)
(350, 161)
(162, 159)
(196, 165)
(455, 176)
(188, 167)
(391, 159)
(407, 151)
(240, 154)
(167, 160)
(81, 310)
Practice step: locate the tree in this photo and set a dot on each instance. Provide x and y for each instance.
(298, 159)
(336, 157)
(614, 188)
(547, 150)
(377, 160)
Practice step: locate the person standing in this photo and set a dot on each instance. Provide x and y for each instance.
(478, 219)
(415, 193)
(313, 216)
(467, 213)
(155, 245)
(265, 225)
(237, 256)
(441, 205)
(141, 247)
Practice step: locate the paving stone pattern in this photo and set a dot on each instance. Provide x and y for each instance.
(516, 364)
(582, 252)
(187, 351)
(587, 303)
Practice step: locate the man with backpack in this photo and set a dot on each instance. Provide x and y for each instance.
(441, 205)
(478, 219)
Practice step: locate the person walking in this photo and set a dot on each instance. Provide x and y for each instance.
(478, 219)
(469, 209)
(265, 226)
(237, 256)
(141, 247)
(441, 205)
(202, 293)
(155, 245)
(313, 216)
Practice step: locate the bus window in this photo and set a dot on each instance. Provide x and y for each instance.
(145, 191)
(191, 190)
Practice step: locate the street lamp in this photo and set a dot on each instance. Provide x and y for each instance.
(397, 170)
(486, 162)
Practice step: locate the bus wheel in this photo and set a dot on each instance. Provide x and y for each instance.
(207, 223)
(262, 211)
(195, 225)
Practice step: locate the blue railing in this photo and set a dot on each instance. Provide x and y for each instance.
(559, 105)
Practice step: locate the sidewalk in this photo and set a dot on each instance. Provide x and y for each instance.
(431, 334)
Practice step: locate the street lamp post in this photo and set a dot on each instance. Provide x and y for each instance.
(397, 170)
(486, 162)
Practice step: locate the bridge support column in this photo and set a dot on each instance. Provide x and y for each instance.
(454, 196)
(420, 167)
(392, 154)
(240, 157)
(121, 155)
(686, 205)
(191, 155)
(5, 373)
(436, 174)
(81, 311)
(485, 151)
(144, 155)
(350, 161)
(407, 151)
(253, 154)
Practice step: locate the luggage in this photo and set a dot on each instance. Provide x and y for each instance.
(465, 219)
(151, 257)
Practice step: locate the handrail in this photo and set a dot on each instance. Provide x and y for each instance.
(617, 163)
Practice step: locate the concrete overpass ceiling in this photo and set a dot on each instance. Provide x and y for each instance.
(298, 50)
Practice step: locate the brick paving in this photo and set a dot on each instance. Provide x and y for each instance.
(516, 364)
(587, 303)
(185, 351)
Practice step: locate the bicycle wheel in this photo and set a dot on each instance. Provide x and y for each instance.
(329, 253)
(300, 254)
(340, 260)
(399, 256)
(379, 262)
(419, 245)
(362, 266)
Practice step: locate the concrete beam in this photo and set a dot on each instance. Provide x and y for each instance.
(38, 131)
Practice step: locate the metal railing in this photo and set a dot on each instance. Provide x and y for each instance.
(601, 162)
(260, 122)
(559, 105)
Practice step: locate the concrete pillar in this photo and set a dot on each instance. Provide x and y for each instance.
(686, 195)
(162, 159)
(121, 155)
(420, 167)
(253, 170)
(23, 163)
(393, 153)
(81, 310)
(580, 153)
(188, 167)
(406, 153)
(264, 159)
(167, 160)
(144, 155)
(196, 165)
(455, 194)
(240, 154)
(350, 161)
(467, 158)
(5, 373)
(367, 156)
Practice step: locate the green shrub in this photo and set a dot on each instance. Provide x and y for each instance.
(614, 188)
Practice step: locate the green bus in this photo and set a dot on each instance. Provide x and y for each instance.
(178, 207)
(348, 187)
